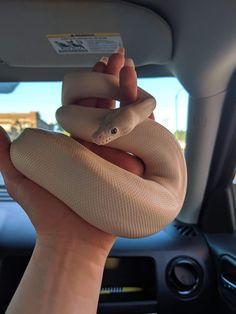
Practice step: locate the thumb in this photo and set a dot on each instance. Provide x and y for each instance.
(7, 168)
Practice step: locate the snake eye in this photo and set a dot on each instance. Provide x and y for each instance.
(114, 130)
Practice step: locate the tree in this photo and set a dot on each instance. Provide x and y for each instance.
(180, 135)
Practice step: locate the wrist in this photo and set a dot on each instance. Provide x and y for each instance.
(72, 250)
(63, 276)
(73, 266)
(76, 234)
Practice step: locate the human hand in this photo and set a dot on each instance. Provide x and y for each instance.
(51, 218)
(68, 260)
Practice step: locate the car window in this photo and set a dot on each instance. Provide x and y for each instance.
(33, 104)
(234, 192)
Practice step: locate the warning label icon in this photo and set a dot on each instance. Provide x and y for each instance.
(70, 45)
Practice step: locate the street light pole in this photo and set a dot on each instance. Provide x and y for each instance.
(176, 107)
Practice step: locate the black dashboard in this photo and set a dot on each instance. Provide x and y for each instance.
(169, 272)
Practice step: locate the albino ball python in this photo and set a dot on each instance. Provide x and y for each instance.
(108, 197)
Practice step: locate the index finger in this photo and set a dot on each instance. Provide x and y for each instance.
(128, 84)
(113, 66)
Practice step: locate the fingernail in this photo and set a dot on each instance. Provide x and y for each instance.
(121, 51)
(130, 63)
(104, 59)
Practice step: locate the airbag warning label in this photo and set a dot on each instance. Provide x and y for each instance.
(85, 43)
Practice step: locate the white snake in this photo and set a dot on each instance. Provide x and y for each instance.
(107, 196)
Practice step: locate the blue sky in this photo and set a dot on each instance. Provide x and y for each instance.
(45, 97)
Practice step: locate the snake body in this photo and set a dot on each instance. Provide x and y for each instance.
(107, 196)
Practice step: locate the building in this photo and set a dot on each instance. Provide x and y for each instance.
(15, 123)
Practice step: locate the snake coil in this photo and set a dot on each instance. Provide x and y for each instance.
(110, 198)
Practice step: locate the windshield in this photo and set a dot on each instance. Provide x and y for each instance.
(33, 104)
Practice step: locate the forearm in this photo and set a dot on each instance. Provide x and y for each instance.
(61, 278)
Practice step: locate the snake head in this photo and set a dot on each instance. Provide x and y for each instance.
(117, 123)
(105, 135)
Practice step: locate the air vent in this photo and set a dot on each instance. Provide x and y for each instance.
(185, 230)
(184, 276)
(227, 279)
(4, 196)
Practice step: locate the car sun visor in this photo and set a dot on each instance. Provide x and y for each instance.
(78, 33)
